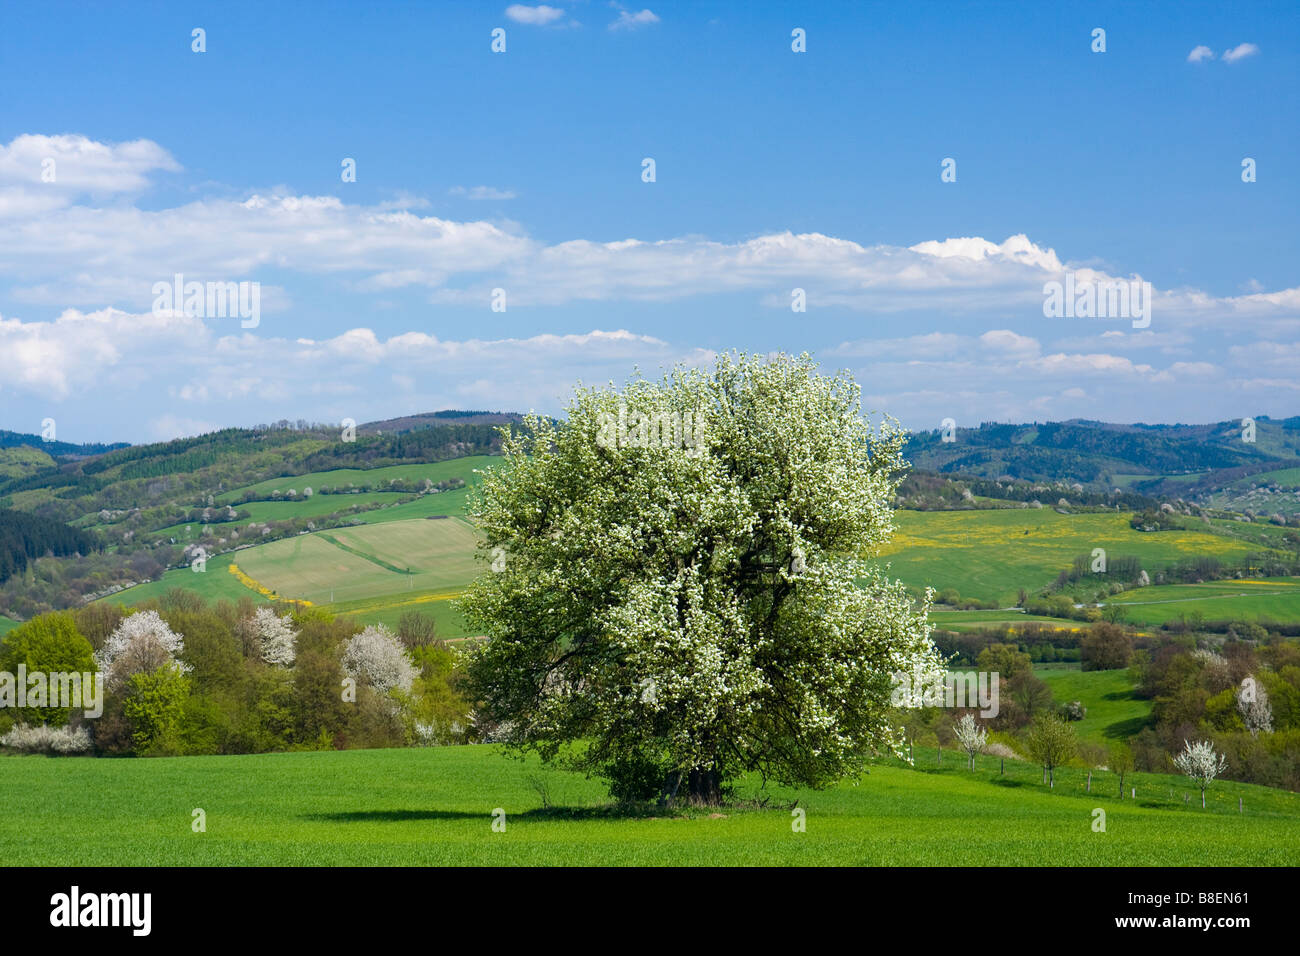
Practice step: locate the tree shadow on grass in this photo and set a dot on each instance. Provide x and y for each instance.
(1125, 729)
(612, 811)
(1004, 782)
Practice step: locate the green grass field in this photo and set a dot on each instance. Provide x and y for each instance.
(6, 624)
(989, 555)
(434, 806)
(1114, 713)
(214, 584)
(340, 477)
(1271, 599)
(974, 620)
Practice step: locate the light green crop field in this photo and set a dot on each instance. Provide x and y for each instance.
(1260, 599)
(7, 625)
(1113, 712)
(340, 477)
(989, 555)
(434, 806)
(214, 584)
(359, 562)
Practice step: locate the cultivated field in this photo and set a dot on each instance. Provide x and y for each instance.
(434, 806)
(989, 555)
(366, 562)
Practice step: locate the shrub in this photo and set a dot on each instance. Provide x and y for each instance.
(47, 740)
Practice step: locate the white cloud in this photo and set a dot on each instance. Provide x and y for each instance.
(537, 16)
(1200, 53)
(632, 21)
(1239, 52)
(481, 192)
(80, 165)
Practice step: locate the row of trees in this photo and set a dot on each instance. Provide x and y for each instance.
(183, 677)
(1051, 743)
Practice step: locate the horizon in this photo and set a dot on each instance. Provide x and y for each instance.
(496, 233)
(292, 425)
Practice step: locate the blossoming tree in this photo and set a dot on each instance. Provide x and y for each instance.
(672, 605)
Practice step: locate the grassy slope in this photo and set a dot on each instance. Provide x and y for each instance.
(214, 584)
(988, 554)
(1275, 599)
(435, 472)
(22, 461)
(1113, 712)
(434, 806)
(7, 625)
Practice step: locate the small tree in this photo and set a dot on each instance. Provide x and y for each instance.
(1201, 763)
(1051, 743)
(276, 637)
(1105, 647)
(416, 629)
(141, 644)
(971, 736)
(376, 657)
(1121, 762)
(1256, 711)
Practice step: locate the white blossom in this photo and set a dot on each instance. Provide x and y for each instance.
(1256, 711)
(1201, 763)
(971, 736)
(276, 636)
(142, 642)
(42, 739)
(376, 657)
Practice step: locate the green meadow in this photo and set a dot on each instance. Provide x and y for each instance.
(990, 555)
(426, 807)
(1267, 599)
(342, 477)
(1114, 713)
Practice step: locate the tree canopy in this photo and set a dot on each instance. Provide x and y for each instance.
(682, 585)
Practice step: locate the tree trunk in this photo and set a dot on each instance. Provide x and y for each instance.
(1051, 778)
(704, 785)
(1202, 798)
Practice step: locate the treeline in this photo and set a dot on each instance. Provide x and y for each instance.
(24, 537)
(1083, 451)
(185, 677)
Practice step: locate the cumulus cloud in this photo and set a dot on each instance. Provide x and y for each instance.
(1239, 52)
(965, 311)
(82, 165)
(1200, 53)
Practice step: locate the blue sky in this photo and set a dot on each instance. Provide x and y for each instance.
(774, 170)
